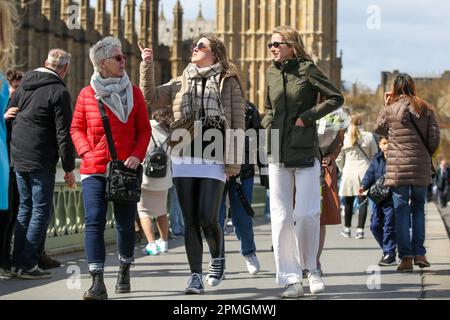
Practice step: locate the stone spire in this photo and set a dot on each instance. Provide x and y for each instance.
(177, 47)
(100, 17)
(153, 21)
(46, 9)
(200, 14)
(144, 26)
(64, 13)
(130, 10)
(84, 13)
(115, 18)
(161, 15)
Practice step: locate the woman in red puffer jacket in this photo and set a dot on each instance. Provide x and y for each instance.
(127, 114)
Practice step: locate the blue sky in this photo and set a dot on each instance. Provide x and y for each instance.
(410, 35)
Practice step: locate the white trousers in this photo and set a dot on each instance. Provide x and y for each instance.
(295, 230)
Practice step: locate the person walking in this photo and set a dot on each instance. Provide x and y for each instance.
(44, 112)
(8, 217)
(209, 93)
(153, 203)
(413, 132)
(242, 221)
(293, 85)
(130, 128)
(383, 218)
(353, 161)
(8, 19)
(442, 177)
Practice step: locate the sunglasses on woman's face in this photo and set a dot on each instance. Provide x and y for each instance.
(200, 47)
(118, 57)
(275, 44)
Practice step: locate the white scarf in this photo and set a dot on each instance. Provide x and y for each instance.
(210, 98)
(116, 93)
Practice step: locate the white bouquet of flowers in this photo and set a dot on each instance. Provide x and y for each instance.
(329, 126)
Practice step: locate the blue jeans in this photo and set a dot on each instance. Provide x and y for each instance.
(267, 206)
(383, 227)
(242, 222)
(95, 208)
(175, 215)
(35, 209)
(404, 211)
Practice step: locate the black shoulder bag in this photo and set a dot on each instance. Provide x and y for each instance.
(433, 170)
(156, 161)
(378, 192)
(123, 185)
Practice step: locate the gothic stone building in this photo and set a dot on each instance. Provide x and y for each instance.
(245, 26)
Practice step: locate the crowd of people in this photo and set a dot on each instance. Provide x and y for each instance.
(306, 182)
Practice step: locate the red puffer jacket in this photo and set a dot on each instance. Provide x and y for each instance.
(88, 135)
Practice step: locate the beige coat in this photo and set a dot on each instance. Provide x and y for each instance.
(408, 160)
(353, 163)
(172, 93)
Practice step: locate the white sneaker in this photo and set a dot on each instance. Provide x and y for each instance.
(316, 284)
(152, 249)
(293, 290)
(252, 264)
(163, 246)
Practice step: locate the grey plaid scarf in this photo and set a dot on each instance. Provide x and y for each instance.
(213, 113)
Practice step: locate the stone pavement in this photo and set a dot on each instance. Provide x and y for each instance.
(349, 265)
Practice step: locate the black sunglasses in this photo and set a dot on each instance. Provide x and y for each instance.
(200, 46)
(118, 57)
(275, 44)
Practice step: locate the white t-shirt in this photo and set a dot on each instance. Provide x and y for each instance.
(188, 167)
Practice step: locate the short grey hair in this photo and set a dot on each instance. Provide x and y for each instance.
(58, 58)
(102, 50)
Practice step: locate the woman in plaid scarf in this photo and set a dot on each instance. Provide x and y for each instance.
(209, 93)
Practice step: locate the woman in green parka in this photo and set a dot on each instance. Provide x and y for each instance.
(294, 84)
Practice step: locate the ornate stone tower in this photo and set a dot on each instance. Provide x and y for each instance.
(177, 47)
(116, 18)
(246, 28)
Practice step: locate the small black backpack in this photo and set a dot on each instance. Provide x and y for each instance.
(156, 161)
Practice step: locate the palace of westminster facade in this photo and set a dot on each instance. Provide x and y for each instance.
(245, 26)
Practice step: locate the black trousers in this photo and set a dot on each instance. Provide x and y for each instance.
(349, 210)
(200, 202)
(8, 220)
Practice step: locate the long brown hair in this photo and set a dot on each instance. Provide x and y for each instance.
(8, 24)
(404, 87)
(220, 51)
(353, 128)
(294, 40)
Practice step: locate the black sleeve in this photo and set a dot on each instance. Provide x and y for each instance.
(63, 119)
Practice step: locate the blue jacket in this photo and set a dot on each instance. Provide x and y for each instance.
(4, 161)
(376, 169)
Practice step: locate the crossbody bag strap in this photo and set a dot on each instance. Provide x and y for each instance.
(420, 133)
(365, 154)
(107, 128)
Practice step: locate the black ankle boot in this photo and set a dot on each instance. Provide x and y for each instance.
(123, 279)
(98, 290)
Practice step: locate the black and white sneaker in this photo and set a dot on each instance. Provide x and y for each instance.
(387, 260)
(195, 284)
(34, 273)
(216, 271)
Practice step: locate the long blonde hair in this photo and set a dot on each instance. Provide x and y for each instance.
(353, 128)
(294, 40)
(8, 23)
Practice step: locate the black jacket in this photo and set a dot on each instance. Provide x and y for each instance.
(252, 121)
(40, 132)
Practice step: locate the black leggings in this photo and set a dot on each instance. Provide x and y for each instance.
(200, 202)
(349, 210)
